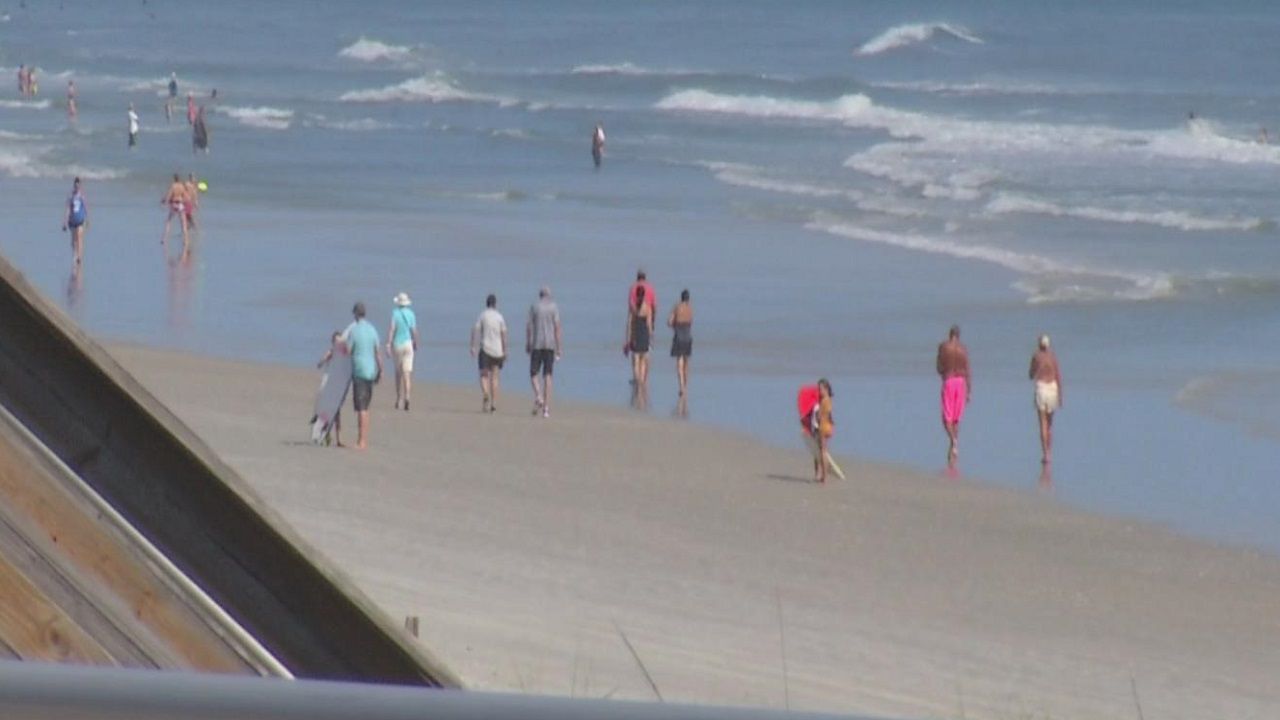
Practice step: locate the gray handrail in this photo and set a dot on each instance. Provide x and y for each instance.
(38, 691)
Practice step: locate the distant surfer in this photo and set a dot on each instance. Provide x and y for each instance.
(817, 423)
(71, 100)
(597, 144)
(681, 324)
(176, 199)
(199, 133)
(1048, 393)
(489, 347)
(76, 221)
(402, 343)
(133, 126)
(953, 368)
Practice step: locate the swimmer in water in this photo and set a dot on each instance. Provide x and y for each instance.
(597, 144)
(71, 100)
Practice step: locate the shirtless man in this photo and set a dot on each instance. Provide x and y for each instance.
(176, 199)
(1048, 398)
(953, 368)
(193, 199)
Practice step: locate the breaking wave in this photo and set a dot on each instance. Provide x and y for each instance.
(423, 90)
(267, 118)
(366, 50)
(912, 34)
(1177, 219)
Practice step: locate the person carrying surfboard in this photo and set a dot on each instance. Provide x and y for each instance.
(335, 426)
(818, 424)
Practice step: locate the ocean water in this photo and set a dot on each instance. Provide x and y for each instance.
(835, 182)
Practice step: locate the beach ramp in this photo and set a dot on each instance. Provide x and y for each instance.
(125, 541)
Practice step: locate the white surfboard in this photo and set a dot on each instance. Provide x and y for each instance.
(332, 393)
(812, 444)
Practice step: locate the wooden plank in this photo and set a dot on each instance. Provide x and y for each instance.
(112, 576)
(36, 629)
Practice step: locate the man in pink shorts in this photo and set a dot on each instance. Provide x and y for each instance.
(953, 367)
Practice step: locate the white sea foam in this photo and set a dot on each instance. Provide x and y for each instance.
(29, 163)
(353, 125)
(25, 104)
(979, 87)
(627, 68)
(267, 118)
(1004, 203)
(913, 33)
(423, 89)
(1045, 279)
(511, 133)
(750, 177)
(367, 50)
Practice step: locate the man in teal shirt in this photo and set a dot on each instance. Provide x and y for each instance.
(361, 338)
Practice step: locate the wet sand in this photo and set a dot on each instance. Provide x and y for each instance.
(575, 555)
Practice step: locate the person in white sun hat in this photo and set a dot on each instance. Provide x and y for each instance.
(402, 342)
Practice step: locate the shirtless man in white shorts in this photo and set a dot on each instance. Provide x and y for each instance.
(1048, 398)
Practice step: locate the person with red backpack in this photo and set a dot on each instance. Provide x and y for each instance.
(814, 405)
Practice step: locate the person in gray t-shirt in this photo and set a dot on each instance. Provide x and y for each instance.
(542, 342)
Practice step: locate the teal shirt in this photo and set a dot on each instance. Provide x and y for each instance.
(405, 322)
(362, 341)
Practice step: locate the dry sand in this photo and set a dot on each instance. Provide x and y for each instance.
(535, 550)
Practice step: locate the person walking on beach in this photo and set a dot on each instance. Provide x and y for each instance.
(650, 297)
(639, 336)
(489, 344)
(817, 423)
(361, 338)
(77, 221)
(681, 323)
(176, 198)
(402, 343)
(133, 126)
(71, 100)
(1047, 377)
(953, 368)
(597, 145)
(543, 342)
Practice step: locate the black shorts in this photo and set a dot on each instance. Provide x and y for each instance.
(488, 361)
(541, 361)
(361, 394)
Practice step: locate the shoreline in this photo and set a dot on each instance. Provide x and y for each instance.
(532, 549)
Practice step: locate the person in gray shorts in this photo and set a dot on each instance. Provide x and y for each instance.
(542, 340)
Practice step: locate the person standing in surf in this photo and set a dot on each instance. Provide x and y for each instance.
(1047, 377)
(597, 145)
(542, 340)
(199, 133)
(176, 198)
(173, 95)
(133, 126)
(489, 346)
(681, 323)
(361, 338)
(191, 109)
(953, 368)
(402, 343)
(193, 200)
(72, 111)
(77, 221)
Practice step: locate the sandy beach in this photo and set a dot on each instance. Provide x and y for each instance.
(575, 555)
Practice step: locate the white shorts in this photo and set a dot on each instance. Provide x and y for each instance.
(404, 357)
(1047, 397)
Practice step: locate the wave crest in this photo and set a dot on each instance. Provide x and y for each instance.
(1005, 203)
(267, 118)
(367, 50)
(914, 33)
(422, 89)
